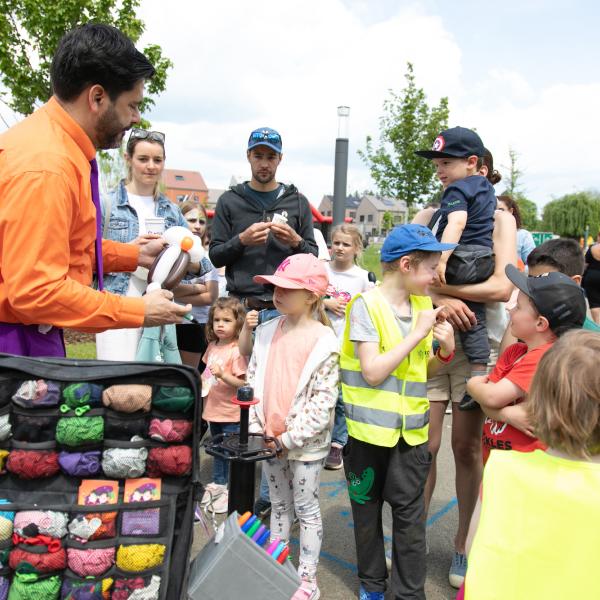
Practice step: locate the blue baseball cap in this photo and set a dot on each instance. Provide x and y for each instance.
(265, 136)
(405, 239)
(457, 142)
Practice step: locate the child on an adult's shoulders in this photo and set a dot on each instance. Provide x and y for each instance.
(465, 217)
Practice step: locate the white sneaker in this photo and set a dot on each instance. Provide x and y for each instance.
(219, 506)
(212, 491)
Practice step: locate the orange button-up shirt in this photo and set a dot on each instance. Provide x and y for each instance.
(48, 229)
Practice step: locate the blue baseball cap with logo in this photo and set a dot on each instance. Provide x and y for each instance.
(457, 142)
(405, 239)
(265, 136)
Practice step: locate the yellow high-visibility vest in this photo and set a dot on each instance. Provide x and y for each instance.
(398, 406)
(539, 531)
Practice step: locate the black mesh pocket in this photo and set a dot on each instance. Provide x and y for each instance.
(32, 427)
(119, 426)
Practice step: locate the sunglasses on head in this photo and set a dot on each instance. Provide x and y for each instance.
(143, 134)
(266, 136)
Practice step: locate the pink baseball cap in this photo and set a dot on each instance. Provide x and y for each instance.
(299, 272)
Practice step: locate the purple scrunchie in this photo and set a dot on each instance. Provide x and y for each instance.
(80, 464)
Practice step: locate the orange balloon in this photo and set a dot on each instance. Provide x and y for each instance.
(186, 244)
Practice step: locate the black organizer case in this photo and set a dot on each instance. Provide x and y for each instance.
(59, 492)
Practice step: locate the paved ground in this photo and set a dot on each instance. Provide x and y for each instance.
(337, 571)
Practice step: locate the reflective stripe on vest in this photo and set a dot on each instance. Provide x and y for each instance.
(398, 406)
(385, 418)
(390, 384)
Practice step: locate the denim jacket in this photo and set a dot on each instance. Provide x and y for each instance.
(124, 227)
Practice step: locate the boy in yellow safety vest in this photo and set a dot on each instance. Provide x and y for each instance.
(385, 361)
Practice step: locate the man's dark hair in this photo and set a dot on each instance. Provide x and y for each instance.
(563, 254)
(97, 54)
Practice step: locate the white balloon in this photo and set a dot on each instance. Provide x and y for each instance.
(174, 235)
(165, 264)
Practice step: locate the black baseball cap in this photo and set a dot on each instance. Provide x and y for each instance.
(457, 142)
(555, 295)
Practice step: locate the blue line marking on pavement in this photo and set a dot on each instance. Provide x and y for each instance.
(440, 513)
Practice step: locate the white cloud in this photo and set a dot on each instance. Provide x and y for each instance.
(242, 65)
(555, 133)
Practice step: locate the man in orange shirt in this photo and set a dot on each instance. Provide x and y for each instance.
(48, 169)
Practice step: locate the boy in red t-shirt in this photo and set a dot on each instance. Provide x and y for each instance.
(547, 306)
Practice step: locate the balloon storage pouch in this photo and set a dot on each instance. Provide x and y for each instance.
(77, 497)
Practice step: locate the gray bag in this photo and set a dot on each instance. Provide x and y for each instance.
(470, 263)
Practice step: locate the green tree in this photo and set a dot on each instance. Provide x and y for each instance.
(30, 31)
(514, 175)
(570, 215)
(408, 124)
(529, 213)
(514, 189)
(387, 221)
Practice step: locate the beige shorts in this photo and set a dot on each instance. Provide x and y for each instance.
(450, 382)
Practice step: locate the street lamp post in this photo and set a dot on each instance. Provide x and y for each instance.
(341, 166)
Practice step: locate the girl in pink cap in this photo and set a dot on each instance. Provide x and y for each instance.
(294, 372)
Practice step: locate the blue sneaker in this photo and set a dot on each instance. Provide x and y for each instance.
(458, 570)
(364, 595)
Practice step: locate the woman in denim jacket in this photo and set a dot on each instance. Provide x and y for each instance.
(130, 210)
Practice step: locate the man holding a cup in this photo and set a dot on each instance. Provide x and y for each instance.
(259, 223)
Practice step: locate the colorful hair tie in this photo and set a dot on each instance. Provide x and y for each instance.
(33, 464)
(27, 586)
(37, 393)
(140, 557)
(85, 590)
(167, 430)
(128, 398)
(124, 463)
(47, 562)
(93, 526)
(137, 588)
(5, 428)
(176, 399)
(91, 561)
(174, 460)
(30, 523)
(80, 464)
(77, 431)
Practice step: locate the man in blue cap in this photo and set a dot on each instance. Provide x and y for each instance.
(385, 362)
(259, 223)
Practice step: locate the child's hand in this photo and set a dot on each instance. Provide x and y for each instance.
(336, 305)
(216, 369)
(251, 320)
(426, 320)
(443, 332)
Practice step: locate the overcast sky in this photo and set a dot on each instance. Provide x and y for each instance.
(525, 73)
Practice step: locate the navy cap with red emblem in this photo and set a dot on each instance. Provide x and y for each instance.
(457, 142)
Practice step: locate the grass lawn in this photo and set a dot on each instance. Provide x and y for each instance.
(81, 350)
(370, 259)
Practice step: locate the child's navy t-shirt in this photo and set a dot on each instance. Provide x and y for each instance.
(476, 195)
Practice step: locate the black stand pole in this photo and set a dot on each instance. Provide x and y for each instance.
(243, 451)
